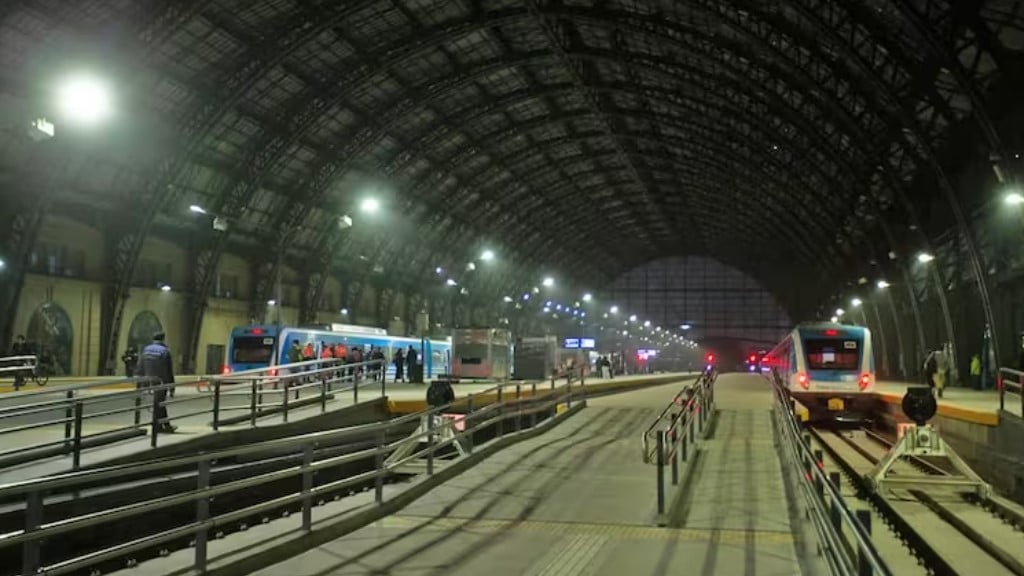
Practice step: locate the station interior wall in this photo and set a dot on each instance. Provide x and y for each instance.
(79, 291)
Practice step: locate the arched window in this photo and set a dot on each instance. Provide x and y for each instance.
(703, 298)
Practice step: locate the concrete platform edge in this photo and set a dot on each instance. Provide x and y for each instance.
(963, 414)
(298, 542)
(627, 385)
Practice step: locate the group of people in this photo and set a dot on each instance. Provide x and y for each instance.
(405, 361)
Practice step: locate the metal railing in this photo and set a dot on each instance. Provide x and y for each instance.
(263, 392)
(826, 508)
(670, 437)
(513, 403)
(1010, 381)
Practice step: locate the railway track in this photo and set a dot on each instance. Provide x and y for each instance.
(928, 529)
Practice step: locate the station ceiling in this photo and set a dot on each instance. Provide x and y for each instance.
(576, 137)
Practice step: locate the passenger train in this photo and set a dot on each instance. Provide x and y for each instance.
(262, 346)
(829, 368)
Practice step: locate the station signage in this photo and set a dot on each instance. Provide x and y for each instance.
(577, 343)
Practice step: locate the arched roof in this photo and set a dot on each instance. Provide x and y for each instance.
(585, 137)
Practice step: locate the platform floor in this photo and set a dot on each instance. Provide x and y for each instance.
(969, 399)
(578, 500)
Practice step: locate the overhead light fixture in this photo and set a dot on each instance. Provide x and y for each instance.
(882, 284)
(165, 288)
(343, 311)
(834, 319)
(588, 297)
(632, 318)
(370, 205)
(487, 255)
(647, 323)
(925, 257)
(438, 270)
(614, 310)
(471, 266)
(85, 100)
(548, 282)
(507, 299)
(196, 209)
(1013, 198)
(451, 282)
(856, 302)
(271, 302)
(840, 312)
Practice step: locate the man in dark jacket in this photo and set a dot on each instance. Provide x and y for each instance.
(20, 348)
(156, 362)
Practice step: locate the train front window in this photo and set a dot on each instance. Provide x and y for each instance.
(832, 354)
(252, 350)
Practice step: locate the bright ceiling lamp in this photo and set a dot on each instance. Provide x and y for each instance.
(85, 100)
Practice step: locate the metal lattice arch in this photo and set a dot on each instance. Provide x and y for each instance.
(716, 301)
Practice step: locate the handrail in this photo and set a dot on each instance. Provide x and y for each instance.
(36, 530)
(830, 511)
(1005, 385)
(672, 443)
(678, 403)
(320, 379)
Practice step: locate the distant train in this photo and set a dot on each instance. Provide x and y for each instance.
(252, 347)
(829, 368)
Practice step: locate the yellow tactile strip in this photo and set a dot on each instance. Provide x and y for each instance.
(609, 531)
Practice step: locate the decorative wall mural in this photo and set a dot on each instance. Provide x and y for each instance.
(144, 325)
(51, 334)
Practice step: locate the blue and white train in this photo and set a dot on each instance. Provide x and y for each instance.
(829, 368)
(263, 346)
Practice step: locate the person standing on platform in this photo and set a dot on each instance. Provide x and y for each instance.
(156, 363)
(130, 359)
(411, 362)
(976, 371)
(399, 361)
(295, 352)
(382, 365)
(20, 348)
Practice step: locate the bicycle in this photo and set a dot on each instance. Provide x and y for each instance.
(40, 374)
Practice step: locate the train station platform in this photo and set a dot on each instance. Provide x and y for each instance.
(964, 404)
(197, 403)
(577, 499)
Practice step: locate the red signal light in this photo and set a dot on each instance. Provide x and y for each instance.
(225, 370)
(831, 332)
(710, 358)
(802, 379)
(753, 358)
(865, 381)
(257, 331)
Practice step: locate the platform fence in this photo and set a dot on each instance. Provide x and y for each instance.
(844, 537)
(505, 409)
(1011, 382)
